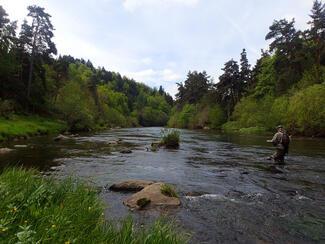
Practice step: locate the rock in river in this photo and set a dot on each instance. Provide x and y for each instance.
(153, 196)
(131, 185)
(61, 137)
(5, 150)
(126, 151)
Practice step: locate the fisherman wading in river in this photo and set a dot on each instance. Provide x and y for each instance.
(281, 141)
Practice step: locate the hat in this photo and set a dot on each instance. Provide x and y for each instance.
(279, 126)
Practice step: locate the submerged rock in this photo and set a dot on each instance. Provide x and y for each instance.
(5, 150)
(20, 146)
(126, 151)
(112, 142)
(195, 194)
(276, 170)
(61, 137)
(154, 197)
(131, 185)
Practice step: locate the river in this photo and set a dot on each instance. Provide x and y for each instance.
(242, 201)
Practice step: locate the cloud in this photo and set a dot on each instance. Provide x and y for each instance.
(132, 5)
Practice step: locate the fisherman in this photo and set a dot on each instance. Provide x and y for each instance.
(281, 141)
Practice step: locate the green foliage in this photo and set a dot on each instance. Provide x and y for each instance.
(266, 78)
(215, 117)
(36, 209)
(250, 112)
(170, 138)
(6, 108)
(197, 116)
(19, 126)
(168, 190)
(306, 110)
(76, 106)
(183, 118)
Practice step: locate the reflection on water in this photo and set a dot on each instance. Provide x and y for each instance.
(243, 200)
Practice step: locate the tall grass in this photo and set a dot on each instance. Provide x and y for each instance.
(170, 138)
(21, 126)
(35, 209)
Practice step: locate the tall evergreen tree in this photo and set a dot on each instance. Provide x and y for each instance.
(37, 38)
(245, 69)
(317, 32)
(230, 86)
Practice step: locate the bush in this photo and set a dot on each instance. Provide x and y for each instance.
(168, 190)
(7, 107)
(76, 106)
(170, 138)
(306, 112)
(35, 209)
(216, 117)
(153, 117)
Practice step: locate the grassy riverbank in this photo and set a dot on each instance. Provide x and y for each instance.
(36, 209)
(24, 126)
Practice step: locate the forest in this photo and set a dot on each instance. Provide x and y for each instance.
(33, 81)
(285, 86)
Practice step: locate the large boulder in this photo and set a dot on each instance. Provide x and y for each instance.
(153, 196)
(5, 150)
(131, 185)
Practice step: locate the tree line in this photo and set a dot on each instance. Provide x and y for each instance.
(34, 81)
(285, 86)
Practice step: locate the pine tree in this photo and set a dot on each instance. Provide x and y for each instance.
(245, 69)
(37, 38)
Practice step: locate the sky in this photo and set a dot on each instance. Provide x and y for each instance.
(158, 41)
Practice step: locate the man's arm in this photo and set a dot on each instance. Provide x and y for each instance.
(274, 139)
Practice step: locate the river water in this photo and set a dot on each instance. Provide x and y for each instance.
(242, 202)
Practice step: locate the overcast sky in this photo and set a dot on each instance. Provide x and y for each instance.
(158, 41)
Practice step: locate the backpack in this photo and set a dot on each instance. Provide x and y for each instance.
(285, 141)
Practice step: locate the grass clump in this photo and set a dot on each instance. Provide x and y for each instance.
(143, 202)
(170, 138)
(35, 209)
(23, 126)
(168, 190)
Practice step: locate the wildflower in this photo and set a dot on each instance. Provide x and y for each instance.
(53, 226)
(25, 222)
(14, 210)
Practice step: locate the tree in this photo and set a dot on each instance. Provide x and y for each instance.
(230, 87)
(283, 33)
(245, 69)
(37, 38)
(195, 87)
(317, 32)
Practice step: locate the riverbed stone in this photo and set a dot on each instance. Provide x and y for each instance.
(154, 197)
(5, 150)
(195, 193)
(61, 138)
(21, 146)
(126, 151)
(131, 185)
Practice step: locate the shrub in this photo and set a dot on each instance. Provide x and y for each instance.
(170, 138)
(7, 107)
(76, 106)
(306, 110)
(168, 190)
